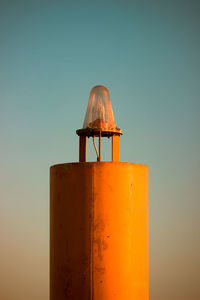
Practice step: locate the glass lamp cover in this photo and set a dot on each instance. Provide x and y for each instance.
(99, 114)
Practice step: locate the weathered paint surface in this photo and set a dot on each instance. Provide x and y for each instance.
(99, 231)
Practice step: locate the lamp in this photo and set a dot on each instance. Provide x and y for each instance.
(99, 121)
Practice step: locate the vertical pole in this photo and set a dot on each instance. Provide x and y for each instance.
(82, 148)
(115, 148)
(99, 146)
(94, 232)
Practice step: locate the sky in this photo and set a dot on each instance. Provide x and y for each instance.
(147, 53)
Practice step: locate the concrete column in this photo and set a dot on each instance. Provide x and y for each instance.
(99, 231)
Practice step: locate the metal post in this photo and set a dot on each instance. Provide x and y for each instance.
(115, 148)
(82, 148)
(99, 158)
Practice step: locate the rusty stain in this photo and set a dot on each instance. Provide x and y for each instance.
(102, 245)
(99, 270)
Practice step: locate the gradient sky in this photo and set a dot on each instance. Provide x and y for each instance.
(147, 53)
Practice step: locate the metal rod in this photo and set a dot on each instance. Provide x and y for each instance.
(115, 148)
(82, 148)
(99, 146)
(95, 147)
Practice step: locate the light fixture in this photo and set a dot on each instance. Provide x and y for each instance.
(99, 121)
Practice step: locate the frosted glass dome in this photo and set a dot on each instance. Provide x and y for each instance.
(99, 114)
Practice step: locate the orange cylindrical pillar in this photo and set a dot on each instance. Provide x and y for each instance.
(99, 231)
